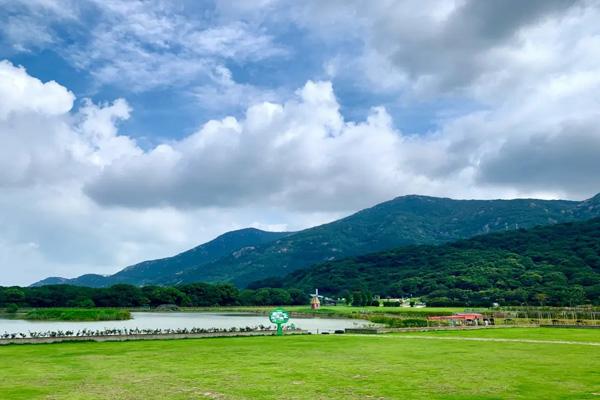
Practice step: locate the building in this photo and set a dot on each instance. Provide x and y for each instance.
(315, 303)
(461, 319)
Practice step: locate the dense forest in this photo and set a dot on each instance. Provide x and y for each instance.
(123, 295)
(549, 265)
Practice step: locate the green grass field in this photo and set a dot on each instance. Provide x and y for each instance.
(313, 367)
(345, 311)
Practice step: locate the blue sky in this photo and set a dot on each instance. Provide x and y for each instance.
(169, 111)
(136, 129)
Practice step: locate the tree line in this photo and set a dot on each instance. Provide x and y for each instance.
(124, 295)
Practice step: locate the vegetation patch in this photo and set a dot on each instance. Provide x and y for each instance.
(77, 314)
(394, 322)
(557, 265)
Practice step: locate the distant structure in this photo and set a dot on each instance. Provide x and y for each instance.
(462, 319)
(315, 303)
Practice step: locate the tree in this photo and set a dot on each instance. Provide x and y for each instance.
(12, 308)
(159, 295)
(228, 294)
(576, 295)
(81, 302)
(541, 298)
(347, 296)
(120, 295)
(298, 297)
(14, 295)
(200, 294)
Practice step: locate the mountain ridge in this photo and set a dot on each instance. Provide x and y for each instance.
(404, 220)
(152, 271)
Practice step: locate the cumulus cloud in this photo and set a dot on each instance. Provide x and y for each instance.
(48, 226)
(304, 155)
(433, 47)
(19, 93)
(72, 177)
(42, 141)
(301, 153)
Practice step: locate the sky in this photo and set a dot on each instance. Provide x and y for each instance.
(132, 130)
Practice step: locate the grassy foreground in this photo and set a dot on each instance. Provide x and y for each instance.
(77, 314)
(311, 367)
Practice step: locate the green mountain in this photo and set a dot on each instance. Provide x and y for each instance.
(406, 220)
(551, 265)
(157, 272)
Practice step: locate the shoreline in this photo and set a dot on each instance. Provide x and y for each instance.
(124, 338)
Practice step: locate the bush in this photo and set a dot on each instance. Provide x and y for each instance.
(85, 303)
(440, 302)
(12, 308)
(391, 304)
(414, 323)
(78, 314)
(399, 322)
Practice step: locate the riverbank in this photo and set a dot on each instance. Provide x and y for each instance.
(75, 314)
(123, 338)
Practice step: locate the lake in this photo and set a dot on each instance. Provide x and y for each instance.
(180, 320)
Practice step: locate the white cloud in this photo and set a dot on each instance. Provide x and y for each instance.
(79, 195)
(141, 47)
(48, 226)
(433, 47)
(19, 93)
(135, 44)
(299, 155)
(28, 25)
(225, 96)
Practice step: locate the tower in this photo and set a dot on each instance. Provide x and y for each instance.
(314, 301)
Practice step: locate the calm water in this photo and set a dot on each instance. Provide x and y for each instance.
(174, 320)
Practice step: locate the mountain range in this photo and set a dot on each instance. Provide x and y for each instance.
(248, 255)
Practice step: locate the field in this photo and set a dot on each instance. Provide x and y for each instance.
(511, 363)
(76, 314)
(342, 311)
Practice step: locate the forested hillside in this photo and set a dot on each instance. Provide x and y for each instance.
(247, 255)
(550, 265)
(405, 220)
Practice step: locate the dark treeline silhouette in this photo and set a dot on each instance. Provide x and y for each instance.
(122, 295)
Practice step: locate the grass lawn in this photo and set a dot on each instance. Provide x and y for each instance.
(338, 310)
(550, 334)
(311, 367)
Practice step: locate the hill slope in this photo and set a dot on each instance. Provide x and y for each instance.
(248, 255)
(403, 221)
(555, 265)
(161, 270)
